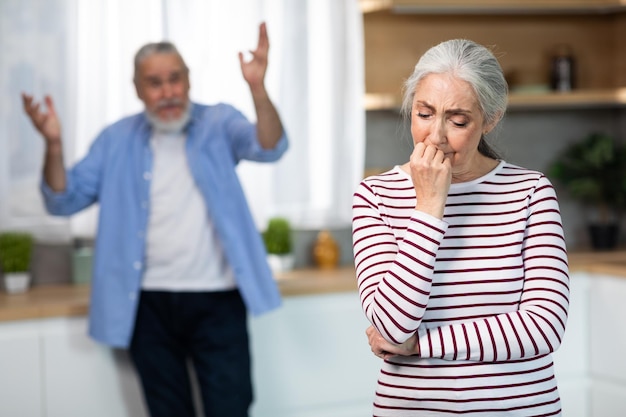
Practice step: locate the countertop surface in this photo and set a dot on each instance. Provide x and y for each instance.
(69, 300)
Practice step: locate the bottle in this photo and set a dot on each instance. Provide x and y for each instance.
(562, 72)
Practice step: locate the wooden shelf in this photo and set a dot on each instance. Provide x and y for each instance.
(494, 6)
(524, 41)
(518, 101)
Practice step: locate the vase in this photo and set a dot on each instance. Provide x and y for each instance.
(82, 265)
(16, 282)
(326, 250)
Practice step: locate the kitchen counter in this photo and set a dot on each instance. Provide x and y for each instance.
(609, 263)
(73, 300)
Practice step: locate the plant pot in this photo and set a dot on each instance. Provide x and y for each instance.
(16, 282)
(604, 236)
(281, 263)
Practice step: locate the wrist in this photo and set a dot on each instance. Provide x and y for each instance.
(54, 148)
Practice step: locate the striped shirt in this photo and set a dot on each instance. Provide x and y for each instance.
(486, 289)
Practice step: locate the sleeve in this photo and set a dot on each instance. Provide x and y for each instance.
(538, 326)
(82, 183)
(394, 278)
(242, 135)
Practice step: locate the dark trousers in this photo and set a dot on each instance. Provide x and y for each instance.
(207, 328)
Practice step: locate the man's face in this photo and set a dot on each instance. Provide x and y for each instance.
(162, 83)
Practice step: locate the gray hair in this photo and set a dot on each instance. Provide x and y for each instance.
(472, 63)
(149, 49)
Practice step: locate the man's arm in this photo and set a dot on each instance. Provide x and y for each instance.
(48, 125)
(269, 126)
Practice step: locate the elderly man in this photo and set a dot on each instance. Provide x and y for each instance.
(178, 260)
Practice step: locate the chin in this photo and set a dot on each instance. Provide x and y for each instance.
(170, 124)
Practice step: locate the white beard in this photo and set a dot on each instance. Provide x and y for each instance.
(170, 126)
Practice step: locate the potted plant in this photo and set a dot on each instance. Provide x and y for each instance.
(279, 245)
(594, 172)
(15, 255)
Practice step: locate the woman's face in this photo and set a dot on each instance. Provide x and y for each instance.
(446, 114)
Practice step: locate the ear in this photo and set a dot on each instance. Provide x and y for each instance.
(489, 127)
(137, 90)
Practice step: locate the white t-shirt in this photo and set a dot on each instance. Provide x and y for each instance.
(183, 251)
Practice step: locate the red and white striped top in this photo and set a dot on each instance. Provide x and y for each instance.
(486, 289)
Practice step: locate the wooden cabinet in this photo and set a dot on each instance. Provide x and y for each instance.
(523, 35)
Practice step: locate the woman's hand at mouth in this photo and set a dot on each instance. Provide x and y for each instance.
(431, 171)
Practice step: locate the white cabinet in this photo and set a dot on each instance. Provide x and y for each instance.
(50, 368)
(20, 370)
(82, 378)
(608, 346)
(310, 358)
(590, 365)
(571, 360)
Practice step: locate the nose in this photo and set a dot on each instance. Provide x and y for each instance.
(166, 90)
(438, 133)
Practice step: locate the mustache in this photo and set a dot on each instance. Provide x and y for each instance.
(169, 103)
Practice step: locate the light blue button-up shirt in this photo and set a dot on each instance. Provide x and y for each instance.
(116, 173)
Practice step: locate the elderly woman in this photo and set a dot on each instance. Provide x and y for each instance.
(460, 256)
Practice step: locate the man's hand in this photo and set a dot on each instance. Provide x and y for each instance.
(47, 123)
(385, 349)
(254, 70)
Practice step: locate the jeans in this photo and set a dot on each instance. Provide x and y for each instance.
(209, 329)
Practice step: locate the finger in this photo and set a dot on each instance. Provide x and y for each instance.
(28, 103)
(26, 100)
(50, 105)
(419, 147)
(439, 156)
(33, 112)
(263, 39)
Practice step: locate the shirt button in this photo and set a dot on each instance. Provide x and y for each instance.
(144, 205)
(132, 296)
(147, 176)
(137, 265)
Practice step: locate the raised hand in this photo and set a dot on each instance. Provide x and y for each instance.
(254, 70)
(47, 123)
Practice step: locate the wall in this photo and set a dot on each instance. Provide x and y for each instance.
(530, 138)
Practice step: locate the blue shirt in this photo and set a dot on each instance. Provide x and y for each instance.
(116, 174)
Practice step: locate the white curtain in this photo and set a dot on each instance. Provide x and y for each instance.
(315, 78)
(34, 57)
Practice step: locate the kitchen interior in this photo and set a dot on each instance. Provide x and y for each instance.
(542, 120)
